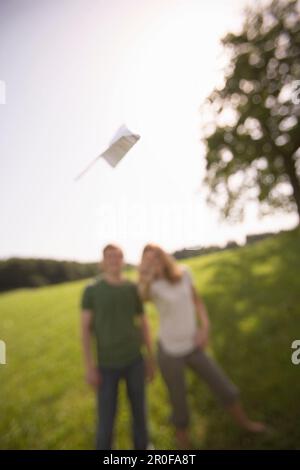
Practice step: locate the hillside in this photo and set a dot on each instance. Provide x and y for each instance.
(253, 298)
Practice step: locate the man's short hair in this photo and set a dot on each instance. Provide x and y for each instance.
(111, 246)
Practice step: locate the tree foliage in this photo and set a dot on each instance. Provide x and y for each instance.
(253, 139)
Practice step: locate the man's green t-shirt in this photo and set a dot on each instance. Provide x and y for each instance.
(116, 308)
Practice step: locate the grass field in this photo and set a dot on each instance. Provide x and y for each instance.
(253, 298)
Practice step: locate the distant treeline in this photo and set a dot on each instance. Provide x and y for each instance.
(204, 250)
(22, 272)
(34, 272)
(197, 251)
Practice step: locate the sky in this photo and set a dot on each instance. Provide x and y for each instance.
(76, 70)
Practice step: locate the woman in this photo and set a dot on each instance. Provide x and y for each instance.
(181, 342)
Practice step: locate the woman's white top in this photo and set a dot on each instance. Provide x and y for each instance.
(175, 304)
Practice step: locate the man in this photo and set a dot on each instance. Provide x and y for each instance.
(112, 311)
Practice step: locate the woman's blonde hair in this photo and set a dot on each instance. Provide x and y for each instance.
(172, 270)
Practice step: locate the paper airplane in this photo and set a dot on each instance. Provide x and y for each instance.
(119, 146)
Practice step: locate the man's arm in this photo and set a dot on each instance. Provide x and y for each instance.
(146, 335)
(150, 363)
(92, 373)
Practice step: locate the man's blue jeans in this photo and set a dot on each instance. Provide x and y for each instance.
(134, 375)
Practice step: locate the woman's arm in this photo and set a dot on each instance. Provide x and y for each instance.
(201, 311)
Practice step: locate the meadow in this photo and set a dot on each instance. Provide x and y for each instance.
(253, 299)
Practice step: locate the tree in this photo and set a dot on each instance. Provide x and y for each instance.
(253, 140)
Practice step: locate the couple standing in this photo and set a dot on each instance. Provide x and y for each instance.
(113, 313)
